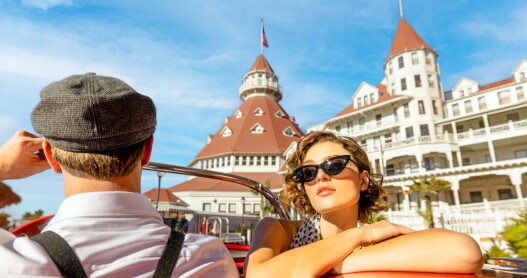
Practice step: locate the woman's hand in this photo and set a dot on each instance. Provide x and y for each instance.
(380, 231)
(17, 156)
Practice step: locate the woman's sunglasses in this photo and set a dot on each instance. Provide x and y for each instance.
(333, 166)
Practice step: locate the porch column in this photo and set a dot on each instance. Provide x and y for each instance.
(516, 180)
(455, 189)
(406, 202)
(490, 144)
(450, 159)
(459, 159)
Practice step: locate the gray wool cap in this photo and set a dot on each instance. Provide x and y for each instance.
(90, 113)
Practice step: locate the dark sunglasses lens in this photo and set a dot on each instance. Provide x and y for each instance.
(335, 165)
(309, 173)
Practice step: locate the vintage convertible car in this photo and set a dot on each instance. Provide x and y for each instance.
(239, 251)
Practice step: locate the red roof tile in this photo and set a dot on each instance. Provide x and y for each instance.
(242, 140)
(164, 196)
(261, 64)
(406, 39)
(205, 184)
(496, 84)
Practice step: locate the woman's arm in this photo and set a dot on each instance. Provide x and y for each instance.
(432, 250)
(269, 255)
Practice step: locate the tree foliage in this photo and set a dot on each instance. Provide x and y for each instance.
(427, 187)
(8, 196)
(28, 216)
(515, 234)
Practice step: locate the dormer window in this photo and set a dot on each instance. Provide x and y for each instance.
(289, 132)
(238, 114)
(279, 114)
(226, 132)
(258, 112)
(257, 129)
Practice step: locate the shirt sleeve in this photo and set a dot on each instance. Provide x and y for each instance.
(23, 257)
(204, 256)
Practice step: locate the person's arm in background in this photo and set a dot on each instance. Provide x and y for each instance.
(18, 159)
(432, 250)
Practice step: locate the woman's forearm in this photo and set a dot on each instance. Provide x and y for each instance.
(433, 250)
(307, 261)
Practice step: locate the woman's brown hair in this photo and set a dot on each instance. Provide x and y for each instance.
(294, 194)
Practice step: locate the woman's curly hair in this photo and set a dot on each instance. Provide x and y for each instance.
(294, 194)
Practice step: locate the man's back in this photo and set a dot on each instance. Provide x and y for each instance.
(121, 237)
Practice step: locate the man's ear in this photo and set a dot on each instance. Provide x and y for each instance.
(51, 161)
(364, 180)
(147, 151)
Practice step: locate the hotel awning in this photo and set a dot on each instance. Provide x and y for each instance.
(172, 208)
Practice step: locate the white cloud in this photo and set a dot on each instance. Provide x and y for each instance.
(46, 4)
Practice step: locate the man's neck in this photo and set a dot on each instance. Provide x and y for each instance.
(76, 185)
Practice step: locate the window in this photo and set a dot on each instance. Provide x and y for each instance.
(256, 207)
(504, 97)
(520, 154)
(514, 117)
(258, 112)
(401, 62)
(466, 161)
(226, 132)
(273, 160)
(222, 161)
(504, 194)
(522, 76)
(390, 67)
(460, 128)
(359, 102)
(257, 129)
(461, 93)
(403, 84)
(393, 88)
(372, 98)
(395, 114)
(265, 161)
(378, 118)
(519, 93)
(424, 130)
(434, 107)
(247, 208)
(482, 103)
(406, 110)
(366, 100)
(476, 197)
(362, 121)
(337, 128)
(243, 161)
(232, 207)
(350, 126)
(481, 124)
(431, 83)
(390, 170)
(387, 138)
(468, 106)
(428, 58)
(251, 160)
(455, 109)
(415, 60)
(410, 132)
(289, 132)
(237, 160)
(222, 207)
(279, 114)
(206, 206)
(417, 79)
(421, 106)
(469, 90)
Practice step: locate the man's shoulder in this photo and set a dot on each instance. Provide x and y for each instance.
(204, 246)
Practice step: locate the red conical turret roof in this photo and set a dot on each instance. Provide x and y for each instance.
(261, 64)
(406, 39)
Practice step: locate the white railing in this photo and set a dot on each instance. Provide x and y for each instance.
(480, 220)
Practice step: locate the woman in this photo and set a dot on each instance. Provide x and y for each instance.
(329, 181)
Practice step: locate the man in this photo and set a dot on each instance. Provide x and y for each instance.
(98, 132)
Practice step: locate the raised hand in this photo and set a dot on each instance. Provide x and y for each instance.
(18, 158)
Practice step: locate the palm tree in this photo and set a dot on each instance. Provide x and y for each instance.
(427, 187)
(7, 196)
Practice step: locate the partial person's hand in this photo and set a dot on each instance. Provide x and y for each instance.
(382, 230)
(18, 159)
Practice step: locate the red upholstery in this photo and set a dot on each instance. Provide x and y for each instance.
(32, 227)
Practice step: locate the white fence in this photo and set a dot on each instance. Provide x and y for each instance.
(480, 220)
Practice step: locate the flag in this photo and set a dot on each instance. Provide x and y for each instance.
(264, 38)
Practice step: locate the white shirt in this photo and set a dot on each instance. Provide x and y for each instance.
(114, 234)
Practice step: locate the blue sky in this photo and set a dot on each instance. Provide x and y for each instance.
(190, 57)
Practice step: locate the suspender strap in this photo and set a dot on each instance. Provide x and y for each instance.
(61, 253)
(170, 255)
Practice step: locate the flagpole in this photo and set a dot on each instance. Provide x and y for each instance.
(401, 8)
(261, 34)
